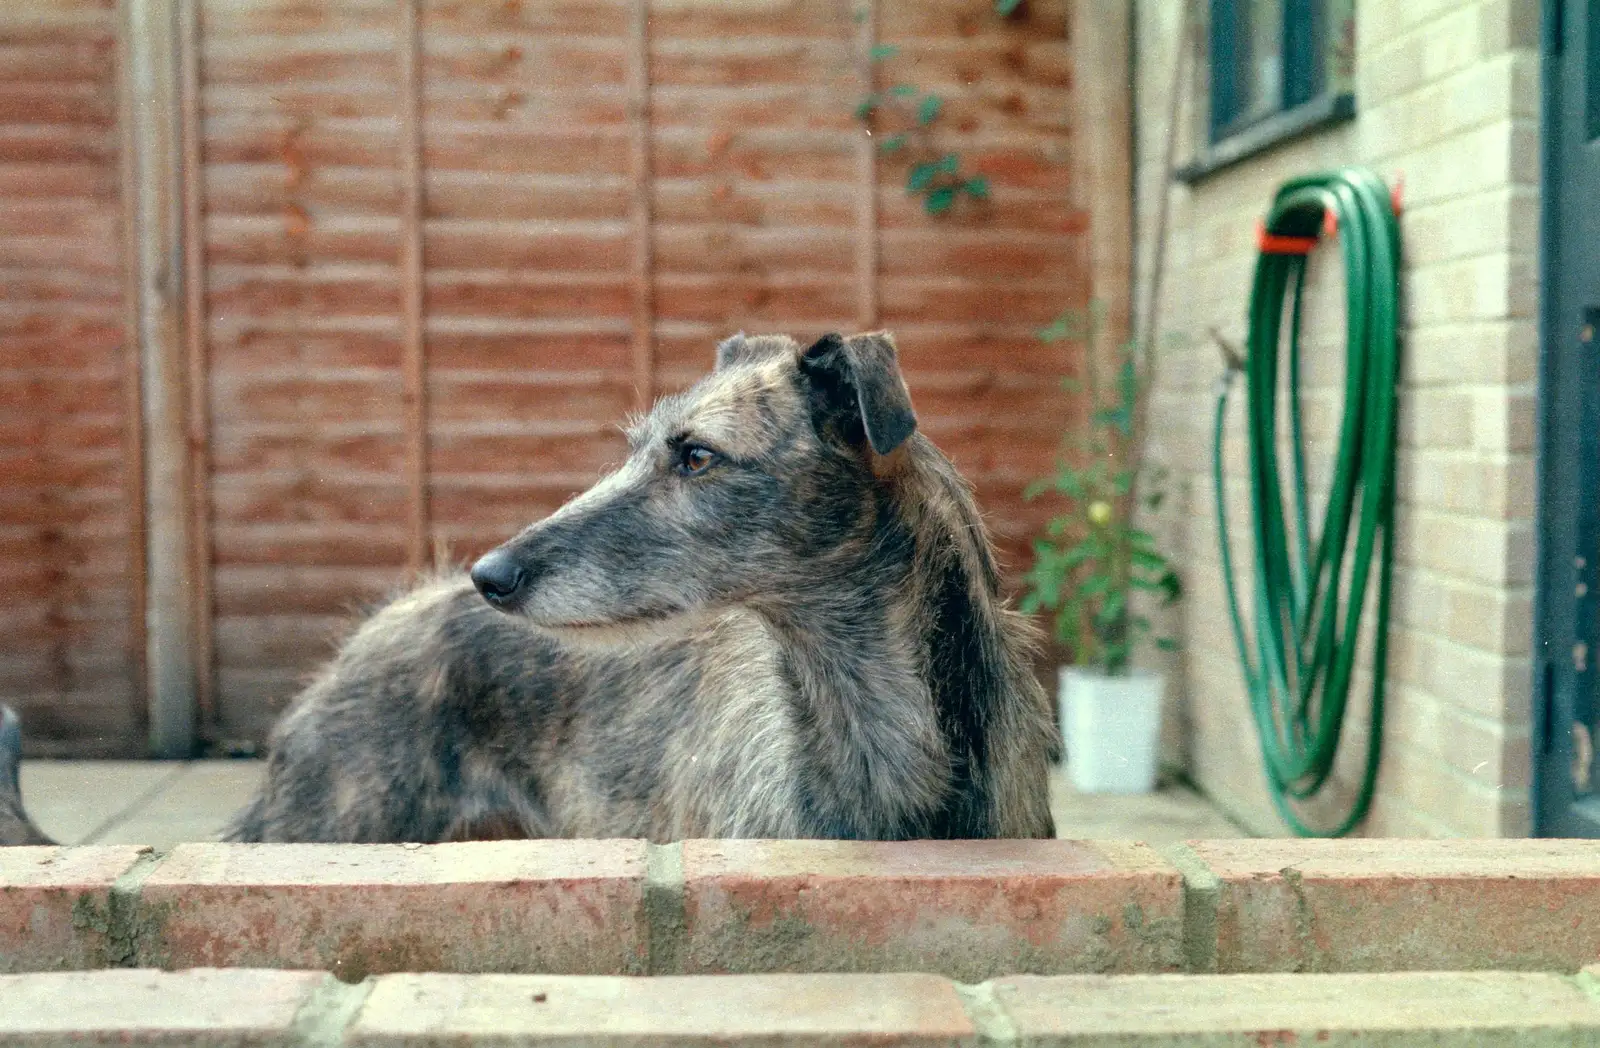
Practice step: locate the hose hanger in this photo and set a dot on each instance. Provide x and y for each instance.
(1311, 586)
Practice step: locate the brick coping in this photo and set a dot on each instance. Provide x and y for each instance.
(968, 910)
(252, 1006)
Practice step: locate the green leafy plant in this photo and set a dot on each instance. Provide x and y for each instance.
(936, 177)
(1093, 562)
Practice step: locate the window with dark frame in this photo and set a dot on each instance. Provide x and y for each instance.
(1278, 68)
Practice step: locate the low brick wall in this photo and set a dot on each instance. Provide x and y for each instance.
(970, 911)
(254, 1006)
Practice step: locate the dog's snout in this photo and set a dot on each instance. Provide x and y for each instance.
(499, 577)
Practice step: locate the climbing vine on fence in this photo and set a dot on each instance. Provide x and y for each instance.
(935, 176)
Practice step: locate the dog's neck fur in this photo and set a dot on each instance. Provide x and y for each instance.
(897, 660)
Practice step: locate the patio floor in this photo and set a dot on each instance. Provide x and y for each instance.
(166, 803)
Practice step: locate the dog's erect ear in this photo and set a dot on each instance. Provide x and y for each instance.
(742, 349)
(864, 368)
(730, 350)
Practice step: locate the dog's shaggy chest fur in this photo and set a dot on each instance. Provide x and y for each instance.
(779, 618)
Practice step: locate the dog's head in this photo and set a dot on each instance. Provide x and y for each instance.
(756, 482)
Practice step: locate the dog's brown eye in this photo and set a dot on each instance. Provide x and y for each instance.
(693, 459)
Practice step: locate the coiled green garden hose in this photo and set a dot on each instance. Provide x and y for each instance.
(1309, 601)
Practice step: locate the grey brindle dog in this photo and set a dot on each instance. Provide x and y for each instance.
(781, 617)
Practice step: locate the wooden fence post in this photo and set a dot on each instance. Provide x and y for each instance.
(154, 196)
(1102, 97)
(412, 278)
(198, 357)
(640, 212)
(867, 176)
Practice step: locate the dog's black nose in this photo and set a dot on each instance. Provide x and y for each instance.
(498, 577)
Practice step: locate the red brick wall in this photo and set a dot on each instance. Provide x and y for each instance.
(69, 647)
(968, 910)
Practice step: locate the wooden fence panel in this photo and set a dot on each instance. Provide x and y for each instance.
(967, 293)
(601, 189)
(529, 252)
(302, 240)
(756, 175)
(70, 637)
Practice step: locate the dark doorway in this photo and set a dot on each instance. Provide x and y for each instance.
(1567, 623)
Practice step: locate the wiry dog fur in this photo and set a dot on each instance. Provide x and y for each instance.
(779, 618)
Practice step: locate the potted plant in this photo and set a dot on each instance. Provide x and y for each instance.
(1094, 565)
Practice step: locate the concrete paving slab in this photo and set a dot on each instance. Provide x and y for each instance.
(197, 805)
(1170, 815)
(164, 804)
(70, 800)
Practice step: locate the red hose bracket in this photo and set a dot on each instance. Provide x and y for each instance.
(1272, 244)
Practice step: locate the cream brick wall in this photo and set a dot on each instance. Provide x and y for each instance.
(1447, 94)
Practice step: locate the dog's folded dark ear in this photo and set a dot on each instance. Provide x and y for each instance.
(867, 367)
(730, 350)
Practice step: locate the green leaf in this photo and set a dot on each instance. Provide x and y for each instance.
(1119, 417)
(1037, 488)
(903, 91)
(892, 143)
(1171, 588)
(1153, 500)
(939, 200)
(928, 111)
(1166, 644)
(883, 51)
(1069, 483)
(1006, 8)
(1092, 543)
(1095, 585)
(1147, 559)
(1068, 325)
(949, 163)
(1112, 609)
(921, 175)
(1044, 590)
(866, 107)
(1077, 556)
(978, 188)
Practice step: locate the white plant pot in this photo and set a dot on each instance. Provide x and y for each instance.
(1111, 727)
